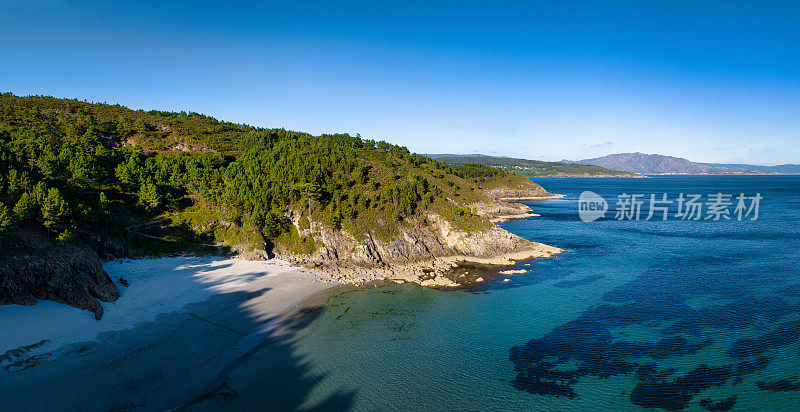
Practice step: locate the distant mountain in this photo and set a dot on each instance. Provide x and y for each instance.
(655, 164)
(532, 168)
(787, 169)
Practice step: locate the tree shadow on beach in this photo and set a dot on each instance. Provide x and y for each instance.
(193, 359)
(271, 375)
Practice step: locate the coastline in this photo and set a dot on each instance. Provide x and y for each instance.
(510, 206)
(155, 288)
(517, 199)
(425, 256)
(433, 273)
(579, 176)
(150, 272)
(226, 308)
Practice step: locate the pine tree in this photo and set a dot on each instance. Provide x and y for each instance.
(54, 210)
(148, 195)
(5, 218)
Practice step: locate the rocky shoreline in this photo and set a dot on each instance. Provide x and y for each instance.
(424, 255)
(33, 267)
(509, 206)
(433, 273)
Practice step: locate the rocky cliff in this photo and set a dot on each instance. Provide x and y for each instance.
(32, 267)
(424, 251)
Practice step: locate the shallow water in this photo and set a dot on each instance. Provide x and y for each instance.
(673, 315)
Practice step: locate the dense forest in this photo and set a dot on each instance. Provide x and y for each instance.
(155, 181)
(532, 168)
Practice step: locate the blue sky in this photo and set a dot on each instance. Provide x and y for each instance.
(710, 81)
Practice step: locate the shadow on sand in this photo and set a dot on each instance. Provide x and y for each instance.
(182, 360)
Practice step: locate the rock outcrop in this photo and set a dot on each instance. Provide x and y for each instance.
(423, 253)
(32, 267)
(505, 204)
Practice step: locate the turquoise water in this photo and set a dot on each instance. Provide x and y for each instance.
(648, 314)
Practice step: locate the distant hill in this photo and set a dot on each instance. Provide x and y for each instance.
(788, 169)
(655, 164)
(532, 168)
(444, 155)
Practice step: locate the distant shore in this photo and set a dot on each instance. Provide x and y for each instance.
(579, 176)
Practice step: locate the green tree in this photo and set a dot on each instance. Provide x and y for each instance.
(54, 210)
(66, 236)
(80, 168)
(149, 196)
(275, 224)
(5, 218)
(312, 191)
(25, 207)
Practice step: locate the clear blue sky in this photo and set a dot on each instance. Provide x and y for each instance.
(710, 81)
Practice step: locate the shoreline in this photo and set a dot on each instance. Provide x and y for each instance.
(207, 313)
(573, 176)
(514, 208)
(510, 205)
(506, 218)
(432, 273)
(520, 199)
(326, 278)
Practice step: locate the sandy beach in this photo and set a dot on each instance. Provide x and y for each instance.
(182, 326)
(178, 325)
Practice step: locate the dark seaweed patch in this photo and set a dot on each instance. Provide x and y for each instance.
(786, 333)
(578, 282)
(659, 297)
(675, 395)
(745, 367)
(783, 385)
(722, 405)
(545, 381)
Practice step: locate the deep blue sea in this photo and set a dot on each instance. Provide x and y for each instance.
(676, 314)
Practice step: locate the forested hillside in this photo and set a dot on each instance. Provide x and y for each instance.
(154, 181)
(534, 168)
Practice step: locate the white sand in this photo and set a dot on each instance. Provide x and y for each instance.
(161, 285)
